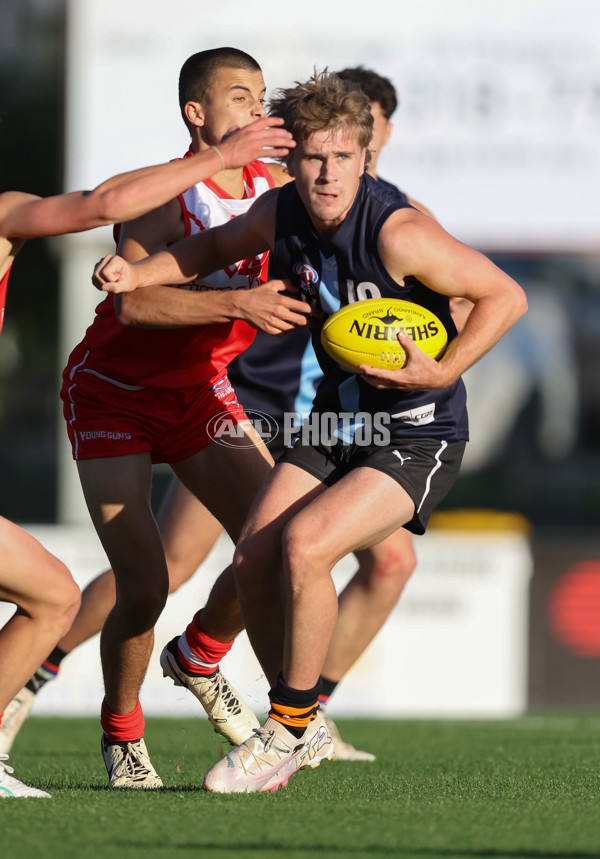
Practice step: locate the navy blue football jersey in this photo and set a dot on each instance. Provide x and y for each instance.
(347, 269)
(392, 188)
(278, 375)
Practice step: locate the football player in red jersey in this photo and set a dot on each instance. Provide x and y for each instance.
(141, 388)
(42, 588)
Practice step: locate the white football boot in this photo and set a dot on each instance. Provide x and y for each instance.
(12, 787)
(14, 716)
(343, 751)
(227, 711)
(128, 765)
(268, 759)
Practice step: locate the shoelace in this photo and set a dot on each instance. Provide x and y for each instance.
(267, 738)
(229, 699)
(222, 693)
(133, 765)
(255, 761)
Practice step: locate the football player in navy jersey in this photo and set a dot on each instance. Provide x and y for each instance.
(330, 495)
(279, 376)
(276, 376)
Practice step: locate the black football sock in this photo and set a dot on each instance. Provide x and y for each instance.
(294, 708)
(328, 687)
(47, 670)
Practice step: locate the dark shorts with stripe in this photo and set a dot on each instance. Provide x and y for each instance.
(426, 468)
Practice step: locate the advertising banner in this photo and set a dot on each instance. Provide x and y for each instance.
(498, 128)
(455, 645)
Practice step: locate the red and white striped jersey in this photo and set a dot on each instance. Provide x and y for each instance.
(182, 356)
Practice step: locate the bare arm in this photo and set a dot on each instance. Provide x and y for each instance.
(411, 244)
(263, 307)
(129, 195)
(138, 239)
(197, 256)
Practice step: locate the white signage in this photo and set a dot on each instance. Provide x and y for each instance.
(498, 131)
(455, 646)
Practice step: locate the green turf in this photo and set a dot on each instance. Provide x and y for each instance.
(524, 788)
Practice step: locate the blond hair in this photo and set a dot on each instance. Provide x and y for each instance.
(324, 102)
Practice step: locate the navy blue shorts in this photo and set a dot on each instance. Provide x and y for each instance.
(426, 468)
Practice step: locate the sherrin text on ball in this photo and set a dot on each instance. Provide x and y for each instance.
(367, 333)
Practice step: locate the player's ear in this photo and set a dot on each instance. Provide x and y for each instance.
(387, 134)
(363, 158)
(194, 113)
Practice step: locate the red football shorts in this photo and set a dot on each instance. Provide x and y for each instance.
(105, 418)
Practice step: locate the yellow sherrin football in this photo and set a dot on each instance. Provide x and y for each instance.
(366, 333)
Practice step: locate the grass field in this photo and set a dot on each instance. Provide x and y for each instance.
(524, 788)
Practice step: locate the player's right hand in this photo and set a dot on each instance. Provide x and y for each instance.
(261, 138)
(420, 373)
(114, 274)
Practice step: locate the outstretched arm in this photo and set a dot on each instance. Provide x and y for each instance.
(264, 307)
(243, 237)
(129, 195)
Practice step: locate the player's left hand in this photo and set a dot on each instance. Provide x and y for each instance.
(268, 309)
(421, 372)
(261, 138)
